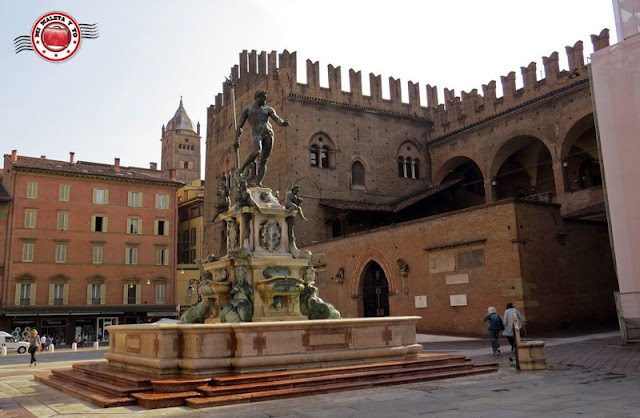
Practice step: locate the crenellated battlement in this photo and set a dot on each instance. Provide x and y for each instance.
(265, 69)
(279, 72)
(458, 112)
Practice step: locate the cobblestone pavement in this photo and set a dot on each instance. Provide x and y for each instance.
(592, 375)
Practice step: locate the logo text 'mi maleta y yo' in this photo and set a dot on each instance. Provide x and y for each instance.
(56, 36)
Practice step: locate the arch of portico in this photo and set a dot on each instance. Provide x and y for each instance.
(522, 167)
(465, 168)
(580, 157)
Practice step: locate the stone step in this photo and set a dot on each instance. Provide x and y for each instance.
(79, 391)
(101, 370)
(106, 386)
(114, 388)
(153, 400)
(313, 380)
(179, 384)
(426, 359)
(206, 401)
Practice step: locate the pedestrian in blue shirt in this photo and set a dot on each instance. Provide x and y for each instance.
(495, 326)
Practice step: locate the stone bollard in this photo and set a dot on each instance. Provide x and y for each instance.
(531, 355)
(74, 347)
(4, 351)
(52, 348)
(96, 345)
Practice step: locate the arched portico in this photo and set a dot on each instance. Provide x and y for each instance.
(472, 179)
(580, 156)
(522, 168)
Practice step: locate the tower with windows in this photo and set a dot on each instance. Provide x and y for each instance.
(181, 147)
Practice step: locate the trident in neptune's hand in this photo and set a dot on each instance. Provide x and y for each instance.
(232, 86)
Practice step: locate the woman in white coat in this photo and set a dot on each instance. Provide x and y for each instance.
(508, 324)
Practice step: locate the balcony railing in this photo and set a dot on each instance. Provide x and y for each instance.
(95, 301)
(131, 300)
(25, 301)
(58, 301)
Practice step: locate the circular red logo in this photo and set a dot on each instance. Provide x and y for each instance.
(56, 36)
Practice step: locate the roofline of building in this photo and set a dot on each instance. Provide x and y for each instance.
(156, 181)
(511, 200)
(196, 199)
(395, 206)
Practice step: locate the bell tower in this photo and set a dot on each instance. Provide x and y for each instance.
(181, 147)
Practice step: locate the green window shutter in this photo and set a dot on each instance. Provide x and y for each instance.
(51, 290)
(65, 294)
(32, 295)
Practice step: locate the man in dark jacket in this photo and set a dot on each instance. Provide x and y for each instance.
(495, 326)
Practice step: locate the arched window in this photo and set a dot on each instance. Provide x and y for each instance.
(322, 151)
(324, 157)
(313, 155)
(357, 174)
(408, 161)
(186, 164)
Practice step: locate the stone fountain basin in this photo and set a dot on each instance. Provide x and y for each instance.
(215, 349)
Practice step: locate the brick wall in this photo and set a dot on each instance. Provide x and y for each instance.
(522, 264)
(567, 269)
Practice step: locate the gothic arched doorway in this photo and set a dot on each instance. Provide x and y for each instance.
(375, 291)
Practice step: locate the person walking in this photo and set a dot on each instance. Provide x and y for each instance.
(34, 346)
(509, 330)
(495, 326)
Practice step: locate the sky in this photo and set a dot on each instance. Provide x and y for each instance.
(113, 96)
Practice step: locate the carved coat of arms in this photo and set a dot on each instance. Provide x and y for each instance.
(270, 235)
